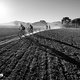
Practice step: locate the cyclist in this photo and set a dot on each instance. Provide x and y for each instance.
(22, 31)
(30, 29)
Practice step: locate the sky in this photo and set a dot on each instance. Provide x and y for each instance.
(35, 10)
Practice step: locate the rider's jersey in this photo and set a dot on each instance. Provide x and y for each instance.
(31, 29)
(22, 27)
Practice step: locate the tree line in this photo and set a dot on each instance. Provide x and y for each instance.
(67, 22)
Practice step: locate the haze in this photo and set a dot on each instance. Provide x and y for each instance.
(35, 10)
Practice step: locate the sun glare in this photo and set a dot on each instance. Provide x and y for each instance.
(3, 10)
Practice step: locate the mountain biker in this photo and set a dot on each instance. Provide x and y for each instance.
(22, 31)
(30, 29)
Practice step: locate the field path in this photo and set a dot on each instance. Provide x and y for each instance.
(16, 38)
(7, 41)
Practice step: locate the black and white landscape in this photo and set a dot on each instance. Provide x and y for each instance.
(51, 51)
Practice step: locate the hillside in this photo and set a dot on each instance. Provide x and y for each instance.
(13, 24)
(55, 25)
(37, 25)
(40, 24)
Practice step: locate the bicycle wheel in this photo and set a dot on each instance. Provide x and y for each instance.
(20, 35)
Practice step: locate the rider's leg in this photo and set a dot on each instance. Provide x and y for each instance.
(25, 33)
(20, 34)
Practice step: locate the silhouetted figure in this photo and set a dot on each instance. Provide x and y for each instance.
(49, 27)
(46, 27)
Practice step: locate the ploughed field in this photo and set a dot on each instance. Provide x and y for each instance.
(47, 55)
(8, 33)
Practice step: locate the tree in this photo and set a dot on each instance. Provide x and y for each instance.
(76, 22)
(66, 21)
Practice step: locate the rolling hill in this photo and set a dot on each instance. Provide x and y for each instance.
(37, 25)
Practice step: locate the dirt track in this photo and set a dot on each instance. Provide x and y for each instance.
(16, 38)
